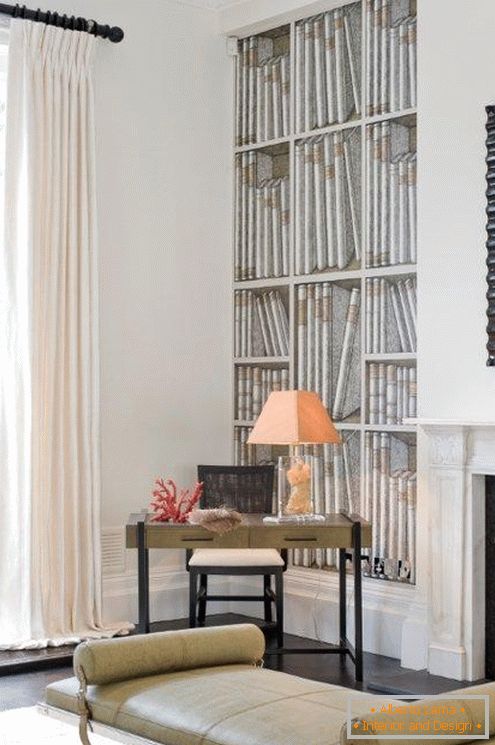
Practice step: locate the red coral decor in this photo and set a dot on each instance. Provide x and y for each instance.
(172, 506)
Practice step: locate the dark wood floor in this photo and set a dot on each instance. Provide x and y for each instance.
(382, 674)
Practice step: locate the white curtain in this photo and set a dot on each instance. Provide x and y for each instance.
(50, 566)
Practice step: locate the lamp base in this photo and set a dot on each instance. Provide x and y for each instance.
(294, 519)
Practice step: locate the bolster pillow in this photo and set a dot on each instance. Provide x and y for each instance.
(112, 660)
(474, 713)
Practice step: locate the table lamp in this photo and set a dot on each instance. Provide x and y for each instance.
(294, 418)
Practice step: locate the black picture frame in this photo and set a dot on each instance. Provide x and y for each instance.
(490, 232)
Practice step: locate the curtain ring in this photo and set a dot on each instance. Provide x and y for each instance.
(72, 23)
(24, 11)
(54, 19)
(37, 17)
(92, 27)
(15, 12)
(105, 32)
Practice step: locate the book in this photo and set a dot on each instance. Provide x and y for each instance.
(276, 76)
(384, 156)
(403, 252)
(351, 325)
(376, 42)
(326, 352)
(251, 104)
(268, 102)
(285, 224)
(285, 85)
(276, 228)
(309, 258)
(338, 156)
(330, 217)
(329, 35)
(353, 64)
(393, 244)
(299, 77)
(319, 199)
(260, 104)
(411, 205)
(384, 56)
(394, 68)
(338, 20)
(403, 65)
(309, 121)
(299, 217)
(301, 315)
(310, 356)
(411, 57)
(369, 9)
(239, 227)
(319, 64)
(352, 198)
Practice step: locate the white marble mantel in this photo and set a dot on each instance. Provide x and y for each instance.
(460, 454)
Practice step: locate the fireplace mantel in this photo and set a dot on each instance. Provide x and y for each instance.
(460, 454)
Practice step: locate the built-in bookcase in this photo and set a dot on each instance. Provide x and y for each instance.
(325, 256)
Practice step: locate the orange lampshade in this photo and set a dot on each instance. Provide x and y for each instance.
(293, 418)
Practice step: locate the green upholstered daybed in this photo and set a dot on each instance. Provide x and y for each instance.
(203, 687)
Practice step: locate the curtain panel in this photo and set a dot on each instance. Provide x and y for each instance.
(50, 563)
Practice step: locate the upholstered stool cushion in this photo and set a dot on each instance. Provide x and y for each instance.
(234, 557)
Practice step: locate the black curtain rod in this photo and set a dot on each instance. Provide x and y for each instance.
(112, 33)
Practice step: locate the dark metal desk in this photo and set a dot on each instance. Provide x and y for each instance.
(337, 531)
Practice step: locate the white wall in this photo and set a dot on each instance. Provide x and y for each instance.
(456, 64)
(164, 180)
(163, 142)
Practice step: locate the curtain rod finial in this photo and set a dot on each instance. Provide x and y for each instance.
(116, 34)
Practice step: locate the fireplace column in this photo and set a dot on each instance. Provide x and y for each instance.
(456, 608)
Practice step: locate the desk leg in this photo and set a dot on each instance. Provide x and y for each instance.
(143, 581)
(358, 600)
(342, 599)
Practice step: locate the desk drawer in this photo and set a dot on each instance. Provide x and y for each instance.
(192, 537)
(297, 536)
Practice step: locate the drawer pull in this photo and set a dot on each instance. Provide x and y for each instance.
(300, 539)
(196, 540)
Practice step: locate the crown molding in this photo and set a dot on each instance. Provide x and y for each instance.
(209, 4)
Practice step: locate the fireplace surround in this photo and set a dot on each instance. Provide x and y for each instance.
(460, 456)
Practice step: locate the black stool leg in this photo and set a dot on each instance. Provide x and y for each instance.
(268, 600)
(193, 597)
(203, 590)
(279, 593)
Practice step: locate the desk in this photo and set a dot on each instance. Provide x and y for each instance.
(339, 531)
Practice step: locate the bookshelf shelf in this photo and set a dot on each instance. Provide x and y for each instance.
(391, 357)
(261, 360)
(337, 173)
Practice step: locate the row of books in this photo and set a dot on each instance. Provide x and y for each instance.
(263, 92)
(391, 189)
(254, 385)
(261, 324)
(336, 488)
(327, 206)
(262, 219)
(390, 505)
(391, 56)
(244, 454)
(392, 393)
(390, 315)
(327, 318)
(328, 75)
